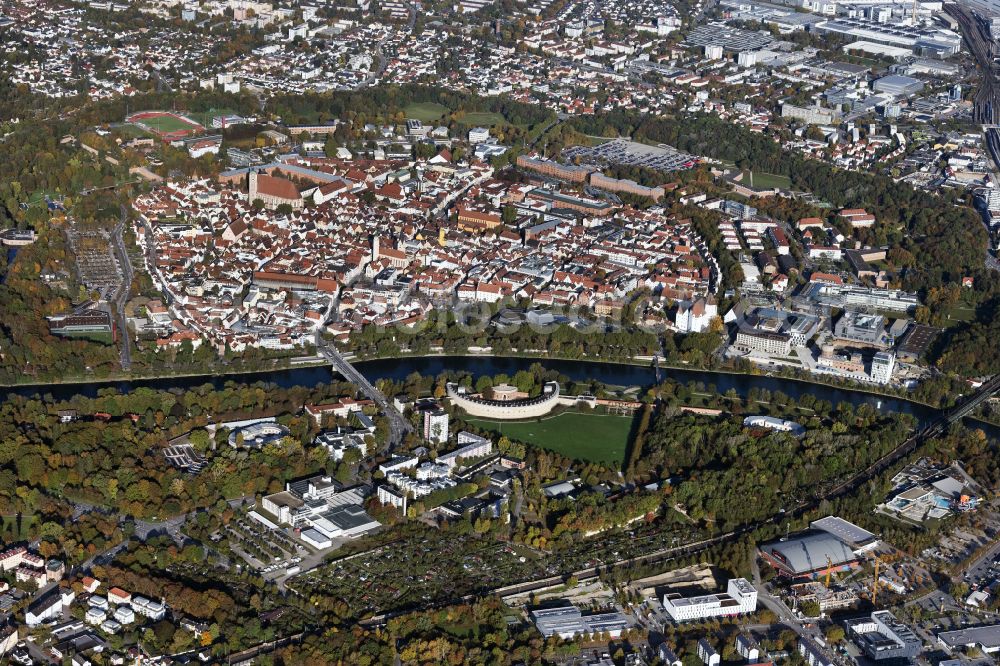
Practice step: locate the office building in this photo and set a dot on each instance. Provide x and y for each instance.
(740, 598)
(764, 342)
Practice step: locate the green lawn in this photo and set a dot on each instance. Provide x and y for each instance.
(590, 437)
(960, 314)
(767, 180)
(425, 112)
(8, 527)
(482, 119)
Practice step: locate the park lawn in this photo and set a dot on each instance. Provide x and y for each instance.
(767, 180)
(588, 437)
(425, 112)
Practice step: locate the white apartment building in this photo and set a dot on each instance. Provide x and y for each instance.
(474, 447)
(154, 610)
(436, 426)
(389, 496)
(740, 598)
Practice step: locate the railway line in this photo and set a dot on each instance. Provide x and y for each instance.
(976, 35)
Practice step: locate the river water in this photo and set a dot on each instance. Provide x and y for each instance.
(398, 369)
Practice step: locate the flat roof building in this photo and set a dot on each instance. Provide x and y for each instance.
(986, 638)
(567, 622)
(898, 85)
(858, 538)
(882, 636)
(740, 598)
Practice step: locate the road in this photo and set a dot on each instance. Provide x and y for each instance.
(122, 293)
(399, 427)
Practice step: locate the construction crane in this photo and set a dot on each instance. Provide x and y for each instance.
(878, 563)
(829, 570)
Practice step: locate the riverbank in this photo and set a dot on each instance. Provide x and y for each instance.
(647, 362)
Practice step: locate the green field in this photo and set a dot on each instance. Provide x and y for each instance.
(205, 117)
(432, 112)
(482, 119)
(767, 180)
(8, 527)
(590, 437)
(425, 112)
(960, 314)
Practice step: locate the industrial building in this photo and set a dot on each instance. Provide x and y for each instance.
(898, 85)
(740, 598)
(931, 42)
(883, 363)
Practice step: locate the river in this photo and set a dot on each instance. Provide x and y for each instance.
(397, 369)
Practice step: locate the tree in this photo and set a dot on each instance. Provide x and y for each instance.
(810, 608)
(834, 633)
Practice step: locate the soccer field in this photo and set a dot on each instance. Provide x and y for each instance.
(588, 437)
(165, 123)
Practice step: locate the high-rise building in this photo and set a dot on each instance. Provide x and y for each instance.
(883, 364)
(436, 425)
